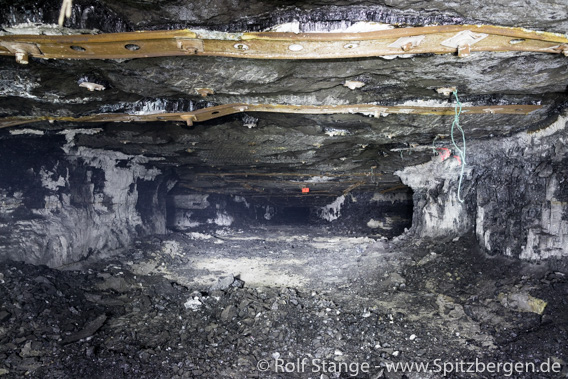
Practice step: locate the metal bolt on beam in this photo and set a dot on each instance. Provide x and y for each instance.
(563, 49)
(464, 51)
(22, 57)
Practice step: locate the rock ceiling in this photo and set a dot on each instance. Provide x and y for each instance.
(269, 153)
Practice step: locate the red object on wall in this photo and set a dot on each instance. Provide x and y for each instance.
(305, 190)
(444, 153)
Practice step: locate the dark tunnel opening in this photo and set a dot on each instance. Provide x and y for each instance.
(359, 213)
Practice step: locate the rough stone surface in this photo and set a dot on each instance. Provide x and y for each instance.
(515, 190)
(437, 210)
(521, 204)
(259, 15)
(67, 204)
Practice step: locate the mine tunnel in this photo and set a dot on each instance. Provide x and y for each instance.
(260, 189)
(361, 214)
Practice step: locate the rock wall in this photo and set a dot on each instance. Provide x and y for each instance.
(515, 189)
(522, 198)
(61, 203)
(437, 210)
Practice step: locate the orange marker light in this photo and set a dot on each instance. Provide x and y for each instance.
(305, 190)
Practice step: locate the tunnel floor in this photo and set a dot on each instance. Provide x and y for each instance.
(339, 308)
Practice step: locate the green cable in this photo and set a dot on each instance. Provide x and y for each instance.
(456, 123)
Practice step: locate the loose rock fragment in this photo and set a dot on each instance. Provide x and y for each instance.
(353, 84)
(89, 329)
(92, 86)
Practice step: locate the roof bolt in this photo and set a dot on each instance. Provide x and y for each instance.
(189, 119)
(240, 46)
(562, 49)
(204, 92)
(446, 91)
(351, 46)
(353, 84)
(464, 50)
(191, 46)
(406, 46)
(295, 47)
(22, 57)
(92, 86)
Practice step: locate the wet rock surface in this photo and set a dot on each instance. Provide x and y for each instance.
(421, 301)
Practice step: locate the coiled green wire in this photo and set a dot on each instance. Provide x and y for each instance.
(461, 152)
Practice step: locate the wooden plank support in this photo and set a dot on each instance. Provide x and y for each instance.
(285, 174)
(352, 187)
(210, 113)
(441, 39)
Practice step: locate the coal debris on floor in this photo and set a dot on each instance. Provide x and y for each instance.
(437, 302)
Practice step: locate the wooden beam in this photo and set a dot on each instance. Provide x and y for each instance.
(440, 39)
(210, 113)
